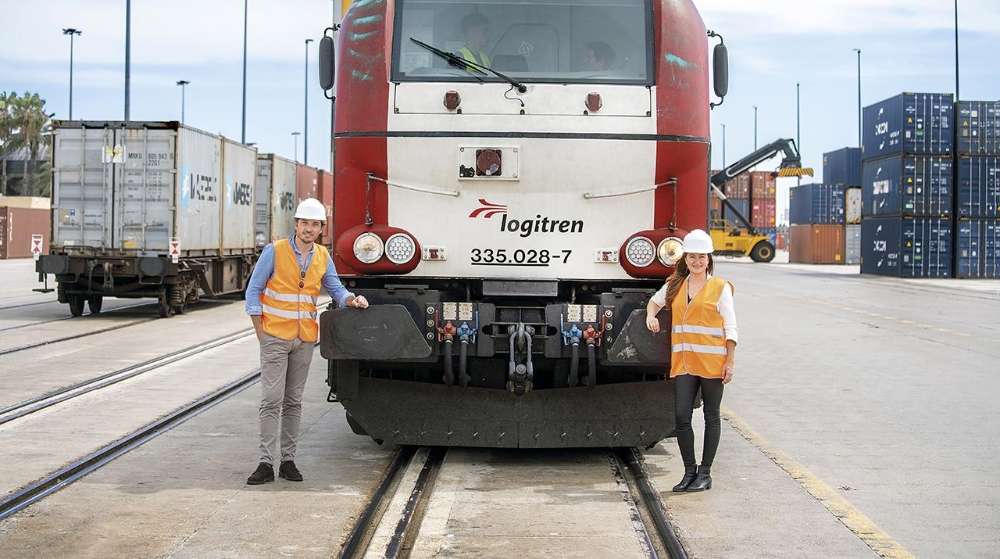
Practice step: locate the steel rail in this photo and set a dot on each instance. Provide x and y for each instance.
(55, 481)
(76, 336)
(54, 397)
(357, 540)
(650, 500)
(60, 319)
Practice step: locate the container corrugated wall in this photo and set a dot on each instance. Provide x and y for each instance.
(977, 243)
(816, 204)
(852, 206)
(852, 244)
(978, 189)
(907, 185)
(909, 247)
(306, 183)
(910, 123)
(239, 210)
(276, 198)
(18, 225)
(842, 167)
(978, 127)
(816, 244)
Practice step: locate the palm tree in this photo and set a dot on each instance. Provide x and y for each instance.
(6, 135)
(32, 126)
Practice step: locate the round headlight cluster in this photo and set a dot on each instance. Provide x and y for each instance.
(670, 251)
(368, 248)
(400, 248)
(640, 252)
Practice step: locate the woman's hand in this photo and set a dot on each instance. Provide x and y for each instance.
(727, 373)
(652, 323)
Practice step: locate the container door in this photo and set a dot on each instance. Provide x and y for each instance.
(83, 186)
(238, 210)
(144, 193)
(265, 170)
(283, 199)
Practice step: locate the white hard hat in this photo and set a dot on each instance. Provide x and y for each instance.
(311, 208)
(698, 242)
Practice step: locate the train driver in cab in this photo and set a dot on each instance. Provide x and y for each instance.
(476, 28)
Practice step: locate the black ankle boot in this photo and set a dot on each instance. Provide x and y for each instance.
(690, 472)
(703, 481)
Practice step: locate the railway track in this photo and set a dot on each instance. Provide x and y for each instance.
(67, 475)
(54, 397)
(62, 318)
(389, 524)
(75, 336)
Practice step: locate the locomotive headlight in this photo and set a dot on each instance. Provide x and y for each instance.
(640, 252)
(670, 251)
(400, 248)
(368, 248)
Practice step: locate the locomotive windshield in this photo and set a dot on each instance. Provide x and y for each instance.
(537, 41)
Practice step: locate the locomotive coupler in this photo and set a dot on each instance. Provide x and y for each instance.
(520, 375)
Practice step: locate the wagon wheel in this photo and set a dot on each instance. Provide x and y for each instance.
(75, 301)
(165, 308)
(181, 308)
(95, 302)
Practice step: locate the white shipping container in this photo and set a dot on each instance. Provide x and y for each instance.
(852, 244)
(275, 198)
(133, 186)
(852, 201)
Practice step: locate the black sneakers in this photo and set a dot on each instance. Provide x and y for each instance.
(289, 471)
(263, 474)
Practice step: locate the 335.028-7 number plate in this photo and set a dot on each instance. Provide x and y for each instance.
(518, 257)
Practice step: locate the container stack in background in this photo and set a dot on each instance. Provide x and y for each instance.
(816, 215)
(20, 218)
(977, 234)
(842, 169)
(754, 195)
(907, 190)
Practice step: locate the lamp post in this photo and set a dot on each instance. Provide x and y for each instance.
(71, 32)
(798, 123)
(128, 54)
(305, 125)
(723, 146)
(182, 83)
(755, 127)
(296, 136)
(956, 53)
(859, 94)
(243, 130)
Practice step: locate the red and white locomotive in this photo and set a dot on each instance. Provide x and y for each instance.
(508, 214)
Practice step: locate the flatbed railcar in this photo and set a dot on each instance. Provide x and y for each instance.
(509, 220)
(149, 209)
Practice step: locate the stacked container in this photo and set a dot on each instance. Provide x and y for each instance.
(977, 242)
(842, 168)
(754, 195)
(907, 188)
(816, 214)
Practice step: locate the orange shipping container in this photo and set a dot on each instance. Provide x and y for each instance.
(816, 244)
(763, 213)
(326, 196)
(17, 225)
(738, 187)
(781, 241)
(306, 182)
(764, 186)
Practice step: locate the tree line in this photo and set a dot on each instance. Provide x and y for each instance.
(24, 128)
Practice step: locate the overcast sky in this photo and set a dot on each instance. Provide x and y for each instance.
(907, 45)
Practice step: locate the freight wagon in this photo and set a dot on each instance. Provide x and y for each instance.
(509, 220)
(149, 209)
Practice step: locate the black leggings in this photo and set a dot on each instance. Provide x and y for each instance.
(686, 388)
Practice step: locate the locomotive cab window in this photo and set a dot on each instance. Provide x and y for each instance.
(537, 41)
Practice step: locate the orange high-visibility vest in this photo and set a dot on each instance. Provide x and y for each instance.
(697, 337)
(289, 311)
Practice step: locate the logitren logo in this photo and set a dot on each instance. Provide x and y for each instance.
(525, 227)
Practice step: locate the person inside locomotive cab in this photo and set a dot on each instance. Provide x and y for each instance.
(598, 56)
(476, 28)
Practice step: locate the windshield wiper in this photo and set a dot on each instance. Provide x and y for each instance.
(470, 66)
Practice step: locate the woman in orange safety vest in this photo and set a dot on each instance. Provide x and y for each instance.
(703, 338)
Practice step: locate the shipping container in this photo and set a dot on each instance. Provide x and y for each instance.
(852, 244)
(910, 123)
(977, 243)
(763, 185)
(738, 187)
(276, 198)
(715, 207)
(781, 240)
(816, 244)
(326, 197)
(134, 186)
(978, 128)
(852, 206)
(978, 189)
(908, 247)
(742, 206)
(149, 209)
(842, 167)
(763, 214)
(907, 185)
(18, 225)
(30, 202)
(816, 203)
(771, 233)
(306, 183)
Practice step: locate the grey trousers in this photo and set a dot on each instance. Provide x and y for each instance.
(284, 367)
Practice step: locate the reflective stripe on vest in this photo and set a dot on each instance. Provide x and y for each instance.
(697, 338)
(483, 60)
(288, 311)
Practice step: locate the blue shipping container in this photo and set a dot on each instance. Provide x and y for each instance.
(816, 204)
(742, 206)
(978, 246)
(907, 247)
(978, 127)
(911, 123)
(842, 167)
(978, 189)
(907, 185)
